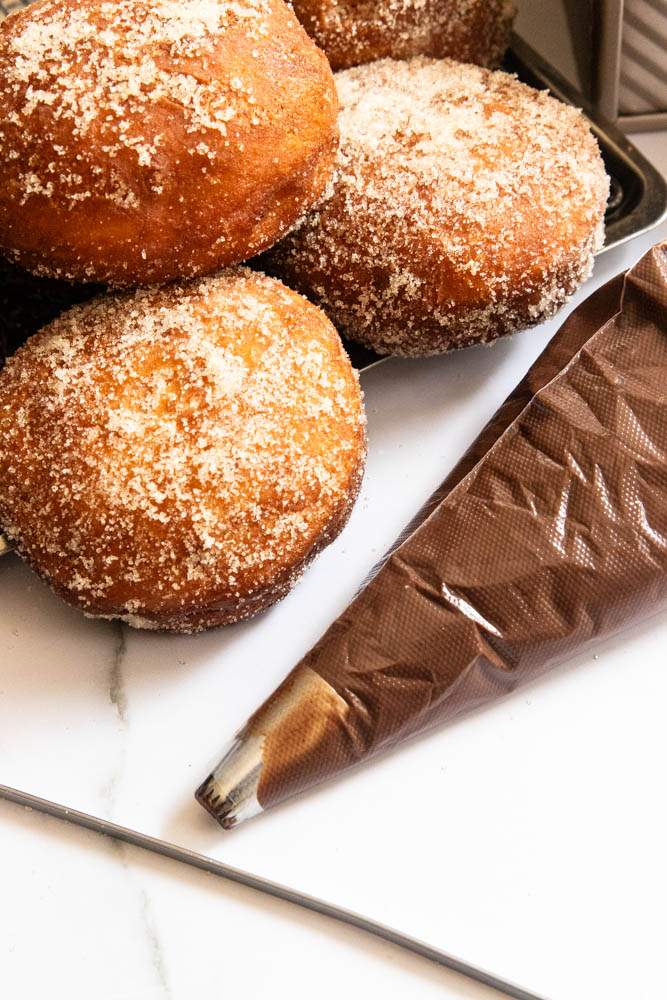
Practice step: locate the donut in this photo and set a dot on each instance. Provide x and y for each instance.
(146, 140)
(465, 205)
(360, 31)
(175, 456)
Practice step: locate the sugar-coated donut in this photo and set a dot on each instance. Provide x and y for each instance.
(175, 456)
(359, 31)
(143, 140)
(465, 205)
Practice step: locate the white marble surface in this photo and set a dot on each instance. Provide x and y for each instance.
(528, 838)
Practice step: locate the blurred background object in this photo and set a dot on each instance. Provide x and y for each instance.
(614, 53)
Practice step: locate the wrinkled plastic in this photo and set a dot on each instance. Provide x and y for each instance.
(550, 534)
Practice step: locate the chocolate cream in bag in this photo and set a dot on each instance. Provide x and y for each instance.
(549, 535)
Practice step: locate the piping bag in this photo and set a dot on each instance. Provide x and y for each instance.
(548, 536)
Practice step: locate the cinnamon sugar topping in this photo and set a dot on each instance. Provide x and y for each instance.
(468, 30)
(169, 450)
(464, 203)
(124, 57)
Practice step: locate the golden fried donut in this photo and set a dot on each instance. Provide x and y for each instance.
(465, 205)
(176, 456)
(360, 31)
(142, 140)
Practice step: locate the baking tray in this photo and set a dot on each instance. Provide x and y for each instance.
(637, 202)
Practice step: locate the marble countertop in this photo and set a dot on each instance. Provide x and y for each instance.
(527, 838)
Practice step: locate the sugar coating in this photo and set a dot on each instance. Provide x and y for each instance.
(464, 205)
(129, 130)
(176, 456)
(110, 55)
(468, 30)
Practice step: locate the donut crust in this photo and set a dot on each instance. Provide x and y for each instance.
(352, 32)
(145, 141)
(175, 457)
(465, 206)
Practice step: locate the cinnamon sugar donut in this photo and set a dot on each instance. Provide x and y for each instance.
(175, 457)
(465, 205)
(142, 140)
(360, 31)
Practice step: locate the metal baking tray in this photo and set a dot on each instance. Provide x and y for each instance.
(637, 202)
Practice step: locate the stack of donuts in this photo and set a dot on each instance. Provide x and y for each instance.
(175, 450)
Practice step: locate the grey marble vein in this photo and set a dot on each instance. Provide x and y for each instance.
(109, 790)
(119, 702)
(147, 920)
(154, 944)
(117, 694)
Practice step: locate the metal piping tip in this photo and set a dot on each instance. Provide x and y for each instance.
(230, 791)
(281, 750)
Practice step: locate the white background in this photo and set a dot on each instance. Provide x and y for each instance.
(528, 838)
